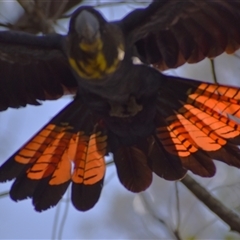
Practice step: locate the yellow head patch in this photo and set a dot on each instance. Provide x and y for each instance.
(96, 66)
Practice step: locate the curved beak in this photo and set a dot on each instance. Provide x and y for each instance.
(87, 27)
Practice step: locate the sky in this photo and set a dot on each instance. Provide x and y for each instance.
(119, 214)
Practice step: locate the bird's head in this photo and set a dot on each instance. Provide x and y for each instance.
(95, 47)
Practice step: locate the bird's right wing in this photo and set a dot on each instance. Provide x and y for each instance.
(42, 168)
(32, 68)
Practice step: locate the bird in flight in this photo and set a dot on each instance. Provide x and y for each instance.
(151, 122)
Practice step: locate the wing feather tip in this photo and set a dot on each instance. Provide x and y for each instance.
(85, 197)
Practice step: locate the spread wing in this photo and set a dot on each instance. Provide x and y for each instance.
(43, 166)
(200, 124)
(32, 68)
(169, 33)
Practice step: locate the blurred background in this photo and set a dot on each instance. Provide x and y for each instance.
(167, 210)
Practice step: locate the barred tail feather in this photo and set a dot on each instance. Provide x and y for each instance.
(132, 168)
(43, 166)
(162, 162)
(199, 124)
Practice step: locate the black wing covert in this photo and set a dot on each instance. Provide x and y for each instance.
(169, 33)
(32, 68)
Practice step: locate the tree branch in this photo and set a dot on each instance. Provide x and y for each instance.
(227, 215)
(4, 194)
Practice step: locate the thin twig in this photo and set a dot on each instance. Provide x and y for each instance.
(107, 4)
(28, 6)
(235, 55)
(177, 205)
(109, 163)
(64, 217)
(4, 194)
(227, 215)
(151, 211)
(55, 221)
(213, 71)
(6, 25)
(36, 15)
(60, 10)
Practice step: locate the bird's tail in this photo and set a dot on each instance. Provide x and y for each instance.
(195, 123)
(43, 166)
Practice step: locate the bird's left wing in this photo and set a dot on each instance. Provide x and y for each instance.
(32, 68)
(169, 33)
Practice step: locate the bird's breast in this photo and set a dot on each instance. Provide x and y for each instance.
(96, 66)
